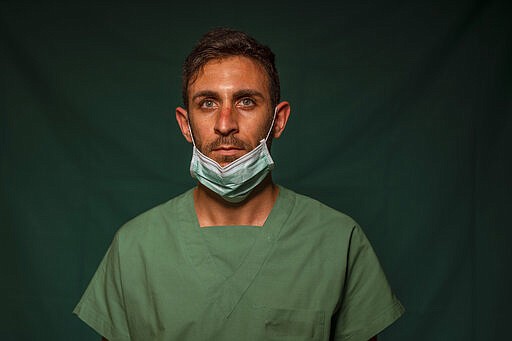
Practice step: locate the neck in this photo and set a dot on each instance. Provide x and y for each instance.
(212, 210)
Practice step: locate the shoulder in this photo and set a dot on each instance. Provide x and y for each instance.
(307, 206)
(155, 222)
(311, 214)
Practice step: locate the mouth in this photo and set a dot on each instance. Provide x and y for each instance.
(227, 150)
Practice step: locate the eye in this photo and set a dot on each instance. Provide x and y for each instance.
(247, 102)
(208, 104)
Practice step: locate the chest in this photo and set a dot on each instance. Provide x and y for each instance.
(261, 288)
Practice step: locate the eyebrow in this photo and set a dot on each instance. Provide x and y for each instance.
(239, 94)
(247, 93)
(205, 93)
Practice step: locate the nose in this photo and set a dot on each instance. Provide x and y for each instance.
(226, 123)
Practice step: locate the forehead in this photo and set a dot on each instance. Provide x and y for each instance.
(230, 73)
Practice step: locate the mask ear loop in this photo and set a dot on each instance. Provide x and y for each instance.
(190, 131)
(272, 125)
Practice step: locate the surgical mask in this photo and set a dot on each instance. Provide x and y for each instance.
(235, 181)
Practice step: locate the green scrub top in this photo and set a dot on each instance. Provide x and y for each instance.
(309, 273)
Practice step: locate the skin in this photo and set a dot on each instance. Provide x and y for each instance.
(229, 112)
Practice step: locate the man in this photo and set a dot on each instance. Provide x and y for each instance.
(238, 257)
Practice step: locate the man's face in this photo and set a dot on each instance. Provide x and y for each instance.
(229, 108)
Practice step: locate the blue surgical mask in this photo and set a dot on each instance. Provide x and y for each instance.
(235, 181)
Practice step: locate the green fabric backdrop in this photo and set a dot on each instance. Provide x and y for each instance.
(401, 117)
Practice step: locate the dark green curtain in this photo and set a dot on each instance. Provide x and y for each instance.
(401, 118)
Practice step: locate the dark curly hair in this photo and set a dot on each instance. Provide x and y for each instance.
(225, 42)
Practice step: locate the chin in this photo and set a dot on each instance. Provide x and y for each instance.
(225, 160)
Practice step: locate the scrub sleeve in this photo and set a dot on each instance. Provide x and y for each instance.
(368, 305)
(102, 305)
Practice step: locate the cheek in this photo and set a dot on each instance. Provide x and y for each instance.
(197, 132)
(254, 126)
(264, 129)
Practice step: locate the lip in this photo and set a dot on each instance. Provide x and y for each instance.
(227, 150)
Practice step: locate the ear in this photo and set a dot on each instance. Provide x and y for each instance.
(182, 119)
(282, 114)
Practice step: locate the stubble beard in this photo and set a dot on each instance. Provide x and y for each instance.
(232, 140)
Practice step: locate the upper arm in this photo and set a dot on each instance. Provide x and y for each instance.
(368, 304)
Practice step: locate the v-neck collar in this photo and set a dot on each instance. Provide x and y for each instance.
(227, 292)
